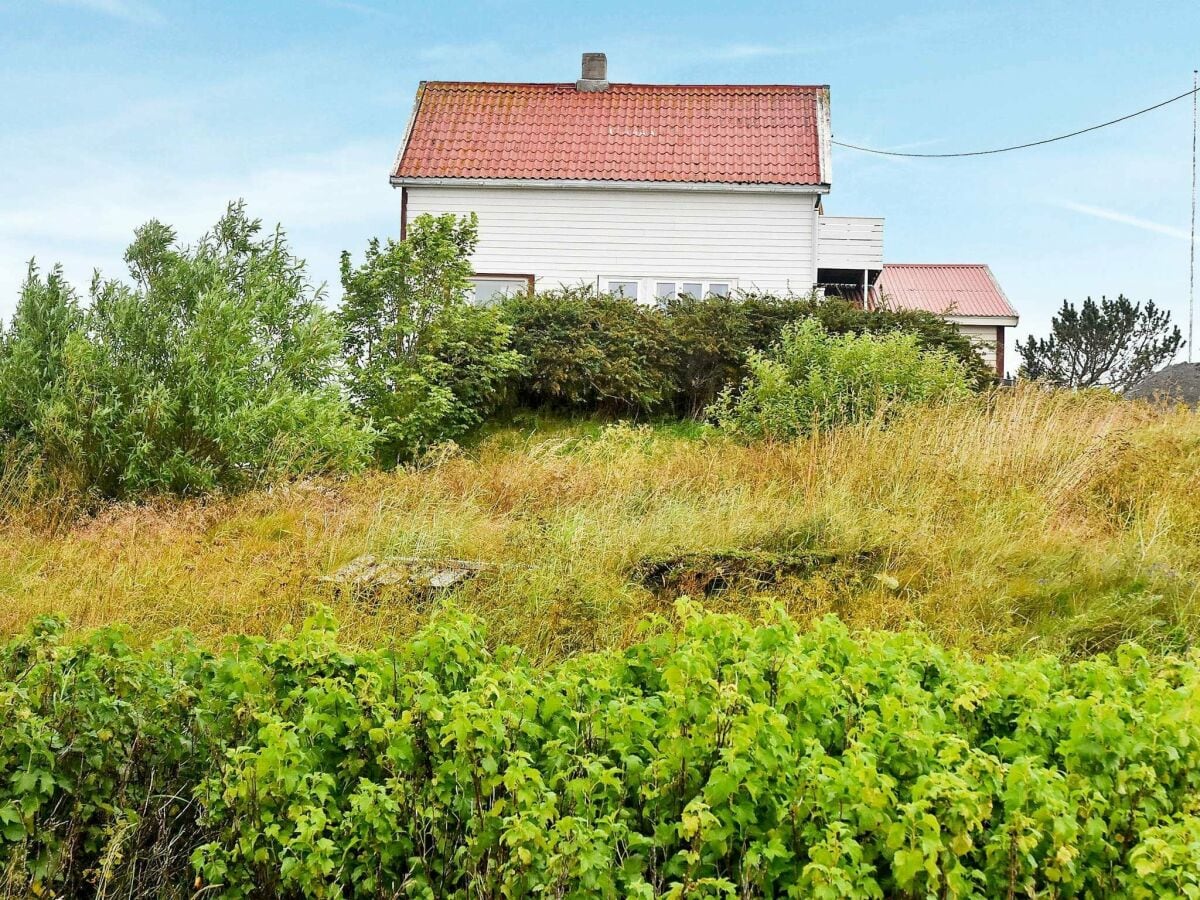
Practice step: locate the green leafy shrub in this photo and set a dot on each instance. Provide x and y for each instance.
(719, 759)
(584, 350)
(814, 380)
(425, 366)
(840, 316)
(216, 367)
(710, 340)
(592, 352)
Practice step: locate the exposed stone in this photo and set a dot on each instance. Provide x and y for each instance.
(367, 577)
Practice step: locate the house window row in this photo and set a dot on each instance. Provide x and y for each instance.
(488, 289)
(660, 290)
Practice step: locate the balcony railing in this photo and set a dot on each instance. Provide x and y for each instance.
(849, 242)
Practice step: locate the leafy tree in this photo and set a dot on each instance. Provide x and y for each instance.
(216, 366)
(424, 364)
(1113, 343)
(32, 348)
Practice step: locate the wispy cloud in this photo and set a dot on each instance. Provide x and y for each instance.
(363, 9)
(128, 10)
(748, 51)
(328, 200)
(1112, 215)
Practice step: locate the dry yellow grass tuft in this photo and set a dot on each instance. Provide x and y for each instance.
(1066, 521)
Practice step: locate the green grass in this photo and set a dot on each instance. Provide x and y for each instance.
(1026, 520)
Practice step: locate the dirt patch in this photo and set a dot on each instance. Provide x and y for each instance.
(703, 574)
(1178, 383)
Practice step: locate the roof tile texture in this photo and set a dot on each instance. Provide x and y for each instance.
(736, 134)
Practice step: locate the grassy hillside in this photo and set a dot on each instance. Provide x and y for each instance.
(1033, 519)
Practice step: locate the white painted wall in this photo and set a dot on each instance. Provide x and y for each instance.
(572, 236)
(984, 338)
(850, 242)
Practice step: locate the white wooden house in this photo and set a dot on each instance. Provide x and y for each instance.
(641, 190)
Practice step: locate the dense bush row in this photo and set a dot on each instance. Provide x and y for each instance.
(219, 365)
(612, 354)
(719, 760)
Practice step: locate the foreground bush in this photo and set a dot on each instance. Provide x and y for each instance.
(813, 380)
(216, 367)
(722, 760)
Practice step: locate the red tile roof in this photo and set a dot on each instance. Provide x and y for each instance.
(947, 289)
(734, 134)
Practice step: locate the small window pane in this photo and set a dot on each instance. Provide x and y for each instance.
(692, 289)
(665, 290)
(491, 290)
(623, 289)
(719, 289)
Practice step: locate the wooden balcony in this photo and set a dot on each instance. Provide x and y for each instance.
(849, 243)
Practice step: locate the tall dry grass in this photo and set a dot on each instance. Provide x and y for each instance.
(1064, 521)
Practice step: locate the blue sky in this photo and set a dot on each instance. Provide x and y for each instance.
(116, 111)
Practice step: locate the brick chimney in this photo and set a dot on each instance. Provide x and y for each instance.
(594, 75)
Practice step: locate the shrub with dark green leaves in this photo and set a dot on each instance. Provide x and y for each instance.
(216, 367)
(718, 759)
(812, 380)
(583, 350)
(591, 352)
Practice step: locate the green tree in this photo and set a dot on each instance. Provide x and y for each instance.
(32, 349)
(425, 365)
(216, 367)
(1113, 343)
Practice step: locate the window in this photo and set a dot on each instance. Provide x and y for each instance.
(663, 290)
(669, 290)
(622, 288)
(489, 289)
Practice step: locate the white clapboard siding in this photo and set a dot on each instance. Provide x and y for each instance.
(984, 339)
(572, 236)
(850, 242)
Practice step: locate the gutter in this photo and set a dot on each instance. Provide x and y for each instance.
(599, 184)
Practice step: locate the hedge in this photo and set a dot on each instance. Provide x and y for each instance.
(717, 758)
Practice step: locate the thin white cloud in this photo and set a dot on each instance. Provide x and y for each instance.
(128, 10)
(747, 51)
(1112, 215)
(327, 201)
(364, 9)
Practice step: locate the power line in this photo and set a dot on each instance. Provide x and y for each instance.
(1192, 245)
(1061, 137)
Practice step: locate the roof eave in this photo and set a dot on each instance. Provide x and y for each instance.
(824, 136)
(1003, 321)
(609, 184)
(408, 130)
